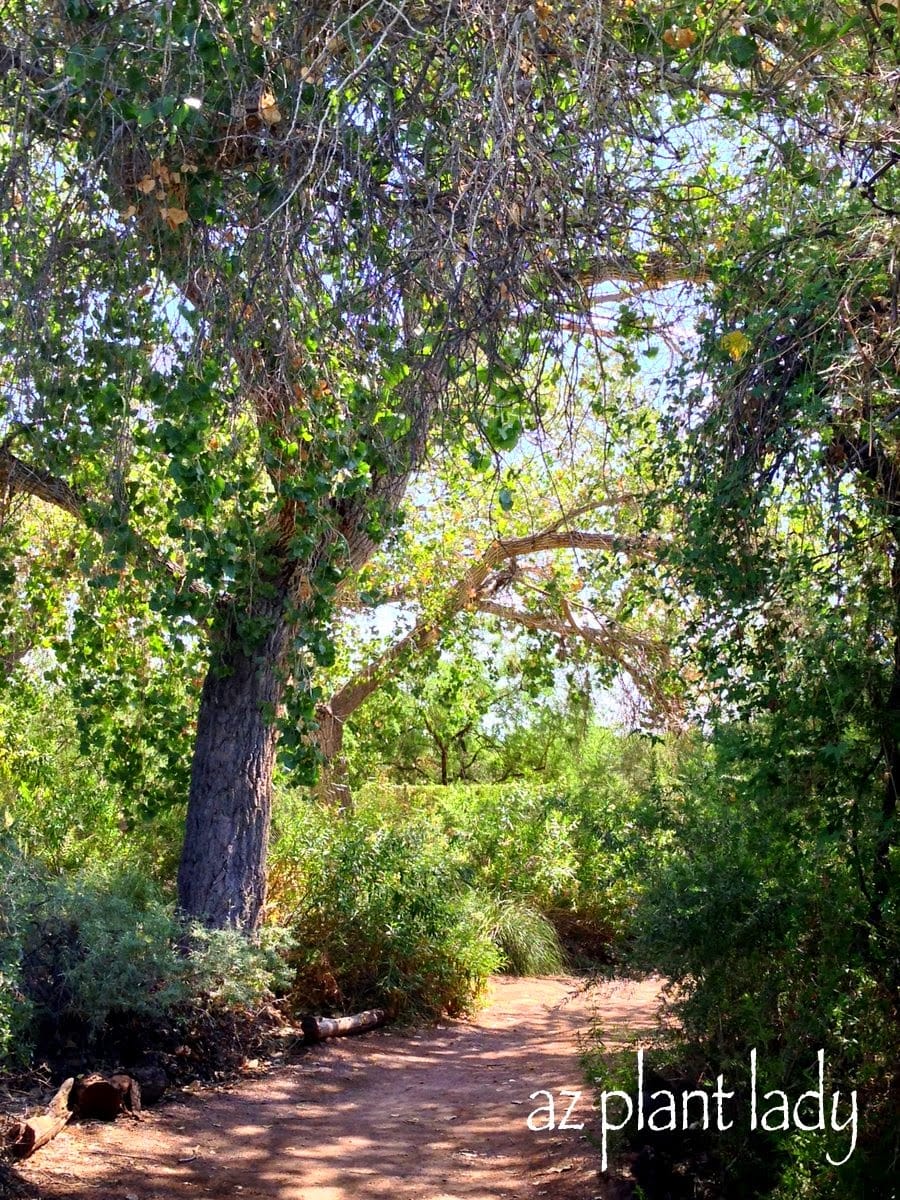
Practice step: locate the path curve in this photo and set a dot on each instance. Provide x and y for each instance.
(439, 1114)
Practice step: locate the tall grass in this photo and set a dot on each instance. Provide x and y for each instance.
(526, 939)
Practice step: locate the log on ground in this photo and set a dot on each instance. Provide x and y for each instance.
(153, 1082)
(24, 1137)
(105, 1098)
(318, 1029)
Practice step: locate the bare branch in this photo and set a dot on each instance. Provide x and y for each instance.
(18, 477)
(14, 61)
(638, 544)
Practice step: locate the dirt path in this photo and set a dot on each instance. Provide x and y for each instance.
(436, 1115)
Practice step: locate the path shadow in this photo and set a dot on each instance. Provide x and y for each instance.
(441, 1114)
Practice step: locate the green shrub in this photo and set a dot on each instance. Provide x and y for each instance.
(15, 1008)
(761, 913)
(54, 802)
(84, 954)
(379, 917)
(60, 806)
(225, 968)
(378, 899)
(578, 854)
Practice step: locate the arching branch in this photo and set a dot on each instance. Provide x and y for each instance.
(473, 592)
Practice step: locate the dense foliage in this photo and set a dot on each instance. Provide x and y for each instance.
(264, 261)
(338, 343)
(761, 915)
(410, 905)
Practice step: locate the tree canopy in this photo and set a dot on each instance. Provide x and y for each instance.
(260, 261)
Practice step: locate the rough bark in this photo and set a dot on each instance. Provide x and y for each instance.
(333, 786)
(222, 875)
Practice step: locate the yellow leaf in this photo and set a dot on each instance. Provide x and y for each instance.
(146, 185)
(268, 109)
(128, 212)
(735, 343)
(173, 216)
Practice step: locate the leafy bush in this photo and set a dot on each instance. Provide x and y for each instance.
(54, 802)
(15, 1009)
(86, 954)
(410, 901)
(61, 807)
(378, 916)
(225, 968)
(578, 852)
(762, 915)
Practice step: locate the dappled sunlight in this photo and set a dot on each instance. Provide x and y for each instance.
(441, 1112)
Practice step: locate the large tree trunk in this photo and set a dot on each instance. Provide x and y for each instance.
(222, 876)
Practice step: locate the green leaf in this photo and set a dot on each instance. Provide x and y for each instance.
(742, 50)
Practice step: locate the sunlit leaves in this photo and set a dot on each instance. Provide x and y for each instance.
(268, 109)
(736, 344)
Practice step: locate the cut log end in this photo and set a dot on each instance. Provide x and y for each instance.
(90, 1096)
(105, 1098)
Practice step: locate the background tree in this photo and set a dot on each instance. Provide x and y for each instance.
(547, 551)
(466, 721)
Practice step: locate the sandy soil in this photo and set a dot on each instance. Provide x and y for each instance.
(439, 1114)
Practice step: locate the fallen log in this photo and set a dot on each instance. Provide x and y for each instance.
(104, 1098)
(24, 1137)
(318, 1029)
